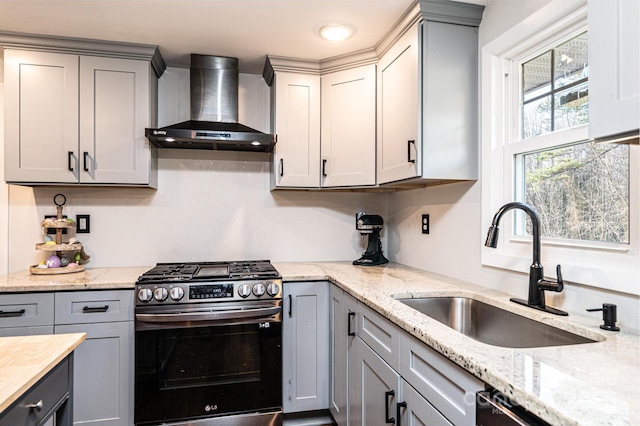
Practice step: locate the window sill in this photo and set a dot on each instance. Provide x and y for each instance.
(614, 277)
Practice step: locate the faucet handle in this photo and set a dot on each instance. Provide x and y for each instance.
(556, 286)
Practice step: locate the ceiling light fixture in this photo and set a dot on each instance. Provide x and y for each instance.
(336, 32)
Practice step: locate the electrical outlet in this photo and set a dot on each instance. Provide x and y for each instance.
(83, 224)
(425, 224)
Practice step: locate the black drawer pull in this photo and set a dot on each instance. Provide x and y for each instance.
(84, 157)
(281, 167)
(70, 161)
(324, 168)
(290, 305)
(387, 400)
(349, 316)
(96, 309)
(9, 314)
(37, 406)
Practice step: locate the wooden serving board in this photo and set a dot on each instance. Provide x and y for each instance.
(59, 247)
(34, 270)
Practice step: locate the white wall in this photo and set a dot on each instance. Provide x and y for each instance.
(208, 205)
(453, 246)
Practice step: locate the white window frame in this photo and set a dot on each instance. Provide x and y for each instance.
(603, 265)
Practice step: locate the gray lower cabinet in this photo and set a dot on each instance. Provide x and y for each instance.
(103, 364)
(444, 384)
(389, 376)
(413, 409)
(305, 335)
(373, 388)
(342, 326)
(27, 314)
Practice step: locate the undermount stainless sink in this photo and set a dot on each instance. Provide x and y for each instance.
(492, 325)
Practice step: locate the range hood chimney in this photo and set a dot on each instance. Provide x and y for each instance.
(214, 112)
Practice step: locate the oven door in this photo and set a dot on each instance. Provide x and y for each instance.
(206, 361)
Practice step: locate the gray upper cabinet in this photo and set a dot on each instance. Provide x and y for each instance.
(428, 97)
(614, 67)
(78, 118)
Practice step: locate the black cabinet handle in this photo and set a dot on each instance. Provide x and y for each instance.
(324, 168)
(84, 157)
(9, 314)
(409, 143)
(93, 310)
(399, 406)
(290, 305)
(281, 167)
(70, 160)
(350, 315)
(387, 400)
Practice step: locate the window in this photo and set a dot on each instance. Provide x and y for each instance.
(535, 112)
(581, 190)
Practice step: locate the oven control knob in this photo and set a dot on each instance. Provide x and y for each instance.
(145, 295)
(176, 293)
(258, 289)
(273, 289)
(160, 294)
(244, 290)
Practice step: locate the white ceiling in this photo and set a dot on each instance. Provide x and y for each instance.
(247, 29)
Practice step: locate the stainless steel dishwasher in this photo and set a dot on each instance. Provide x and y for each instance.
(495, 409)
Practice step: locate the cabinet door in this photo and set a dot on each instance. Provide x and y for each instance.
(103, 374)
(373, 388)
(416, 411)
(305, 357)
(342, 327)
(114, 111)
(399, 100)
(614, 67)
(41, 117)
(348, 137)
(297, 124)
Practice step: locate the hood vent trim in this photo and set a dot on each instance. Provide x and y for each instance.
(214, 113)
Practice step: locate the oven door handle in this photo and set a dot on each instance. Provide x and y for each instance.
(209, 315)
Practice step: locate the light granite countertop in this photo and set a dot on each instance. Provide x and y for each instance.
(26, 359)
(589, 384)
(89, 279)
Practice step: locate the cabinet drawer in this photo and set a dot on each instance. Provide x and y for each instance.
(380, 334)
(94, 306)
(26, 310)
(448, 387)
(51, 391)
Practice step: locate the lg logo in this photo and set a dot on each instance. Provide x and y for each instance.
(213, 407)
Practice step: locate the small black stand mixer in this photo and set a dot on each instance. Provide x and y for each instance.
(371, 225)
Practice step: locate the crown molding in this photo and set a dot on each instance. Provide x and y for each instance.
(79, 46)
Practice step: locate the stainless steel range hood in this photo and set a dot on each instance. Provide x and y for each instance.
(214, 112)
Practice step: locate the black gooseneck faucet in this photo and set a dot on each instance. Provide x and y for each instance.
(537, 283)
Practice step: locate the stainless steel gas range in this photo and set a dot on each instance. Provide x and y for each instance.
(208, 344)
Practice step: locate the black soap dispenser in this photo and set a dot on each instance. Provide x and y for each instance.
(609, 316)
